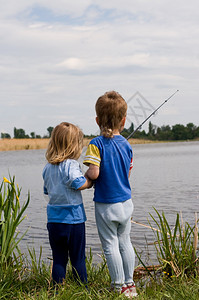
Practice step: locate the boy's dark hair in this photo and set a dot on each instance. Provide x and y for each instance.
(110, 108)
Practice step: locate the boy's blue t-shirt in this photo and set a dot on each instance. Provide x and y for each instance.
(114, 158)
(61, 183)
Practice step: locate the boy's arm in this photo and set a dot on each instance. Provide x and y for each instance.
(92, 172)
(92, 160)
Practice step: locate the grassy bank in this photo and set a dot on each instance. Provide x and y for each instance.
(28, 277)
(32, 282)
(22, 144)
(26, 144)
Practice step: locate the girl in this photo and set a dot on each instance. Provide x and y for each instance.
(63, 180)
(109, 157)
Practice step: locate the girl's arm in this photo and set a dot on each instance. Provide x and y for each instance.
(92, 172)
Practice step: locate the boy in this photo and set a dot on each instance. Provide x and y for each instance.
(109, 157)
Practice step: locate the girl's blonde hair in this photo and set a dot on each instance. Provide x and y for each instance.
(110, 108)
(66, 142)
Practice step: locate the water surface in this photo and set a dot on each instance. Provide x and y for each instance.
(164, 176)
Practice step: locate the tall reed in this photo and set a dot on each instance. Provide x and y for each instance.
(11, 215)
(177, 247)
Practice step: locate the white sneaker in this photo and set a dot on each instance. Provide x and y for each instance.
(132, 290)
(126, 291)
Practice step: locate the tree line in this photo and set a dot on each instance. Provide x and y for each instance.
(163, 133)
(20, 133)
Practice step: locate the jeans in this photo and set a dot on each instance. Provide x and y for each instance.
(114, 225)
(67, 240)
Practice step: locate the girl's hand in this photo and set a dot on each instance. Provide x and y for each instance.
(87, 185)
(90, 182)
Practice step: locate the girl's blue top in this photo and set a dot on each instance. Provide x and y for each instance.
(61, 183)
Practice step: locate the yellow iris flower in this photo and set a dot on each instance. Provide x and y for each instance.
(6, 180)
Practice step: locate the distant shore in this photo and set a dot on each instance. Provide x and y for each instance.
(31, 144)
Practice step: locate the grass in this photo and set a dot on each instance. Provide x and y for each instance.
(11, 215)
(176, 247)
(26, 144)
(22, 144)
(30, 144)
(29, 277)
(33, 282)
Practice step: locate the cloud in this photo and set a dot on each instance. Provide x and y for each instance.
(72, 63)
(60, 56)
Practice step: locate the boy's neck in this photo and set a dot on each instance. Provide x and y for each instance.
(116, 132)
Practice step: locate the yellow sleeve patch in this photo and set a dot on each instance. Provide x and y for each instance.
(92, 156)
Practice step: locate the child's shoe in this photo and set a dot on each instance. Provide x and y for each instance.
(126, 291)
(132, 290)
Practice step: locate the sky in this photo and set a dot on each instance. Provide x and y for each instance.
(58, 57)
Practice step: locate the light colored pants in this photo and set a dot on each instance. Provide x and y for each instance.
(114, 225)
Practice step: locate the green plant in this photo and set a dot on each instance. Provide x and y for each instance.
(177, 247)
(11, 215)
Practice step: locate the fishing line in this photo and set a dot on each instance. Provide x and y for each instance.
(132, 133)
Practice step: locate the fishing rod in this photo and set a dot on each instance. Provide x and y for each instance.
(132, 133)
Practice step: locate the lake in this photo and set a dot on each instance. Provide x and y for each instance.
(164, 176)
